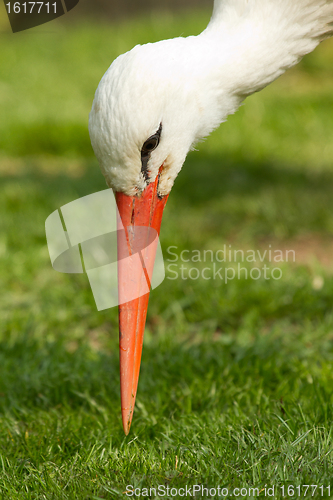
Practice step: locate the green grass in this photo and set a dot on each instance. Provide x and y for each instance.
(236, 382)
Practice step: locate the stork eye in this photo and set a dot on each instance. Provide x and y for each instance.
(152, 142)
(149, 146)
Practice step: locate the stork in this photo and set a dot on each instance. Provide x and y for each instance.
(158, 100)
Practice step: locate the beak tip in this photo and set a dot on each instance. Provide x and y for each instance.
(126, 427)
(127, 420)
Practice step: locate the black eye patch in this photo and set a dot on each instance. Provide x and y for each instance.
(149, 146)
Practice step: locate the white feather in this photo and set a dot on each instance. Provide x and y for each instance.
(191, 85)
(263, 38)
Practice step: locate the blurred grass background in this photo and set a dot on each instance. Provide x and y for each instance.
(236, 380)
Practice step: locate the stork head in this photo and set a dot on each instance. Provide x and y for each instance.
(148, 111)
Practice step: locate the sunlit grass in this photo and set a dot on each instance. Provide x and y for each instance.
(236, 382)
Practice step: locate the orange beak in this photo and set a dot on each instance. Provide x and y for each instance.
(138, 230)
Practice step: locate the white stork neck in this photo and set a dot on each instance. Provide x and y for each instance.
(246, 46)
(257, 41)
